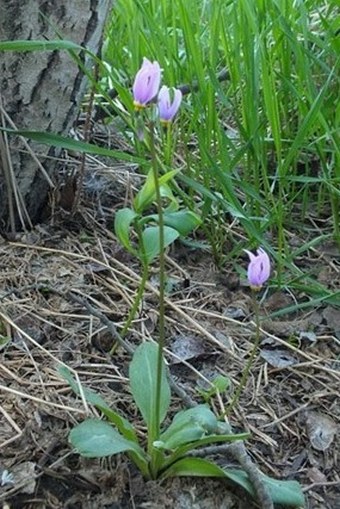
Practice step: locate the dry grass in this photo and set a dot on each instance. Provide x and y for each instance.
(43, 275)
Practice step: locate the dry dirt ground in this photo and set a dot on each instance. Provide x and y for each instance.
(290, 405)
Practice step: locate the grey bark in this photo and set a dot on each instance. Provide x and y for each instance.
(41, 90)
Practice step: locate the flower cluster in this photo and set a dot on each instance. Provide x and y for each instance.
(146, 88)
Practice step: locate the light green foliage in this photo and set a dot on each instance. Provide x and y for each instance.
(4, 340)
(177, 222)
(220, 384)
(259, 134)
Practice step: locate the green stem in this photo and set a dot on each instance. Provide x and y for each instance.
(280, 233)
(248, 366)
(168, 145)
(161, 337)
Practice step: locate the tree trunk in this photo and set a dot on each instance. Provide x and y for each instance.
(40, 91)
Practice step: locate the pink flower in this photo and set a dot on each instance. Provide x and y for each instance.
(167, 109)
(258, 268)
(146, 84)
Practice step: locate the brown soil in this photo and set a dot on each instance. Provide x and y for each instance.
(290, 405)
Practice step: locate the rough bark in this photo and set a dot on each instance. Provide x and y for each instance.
(42, 90)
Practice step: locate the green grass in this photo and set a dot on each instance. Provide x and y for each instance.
(262, 147)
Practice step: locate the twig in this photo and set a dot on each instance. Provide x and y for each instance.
(125, 344)
(239, 452)
(109, 324)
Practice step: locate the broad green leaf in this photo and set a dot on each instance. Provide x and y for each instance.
(286, 493)
(147, 193)
(22, 45)
(94, 438)
(188, 426)
(151, 240)
(184, 221)
(143, 381)
(193, 467)
(123, 219)
(122, 424)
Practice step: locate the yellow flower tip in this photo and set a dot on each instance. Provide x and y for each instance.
(165, 123)
(138, 106)
(256, 288)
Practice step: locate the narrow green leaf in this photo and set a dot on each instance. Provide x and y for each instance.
(306, 125)
(123, 425)
(23, 45)
(55, 140)
(193, 467)
(151, 240)
(147, 194)
(123, 219)
(143, 381)
(94, 438)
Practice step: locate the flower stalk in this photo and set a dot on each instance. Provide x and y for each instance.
(161, 336)
(258, 273)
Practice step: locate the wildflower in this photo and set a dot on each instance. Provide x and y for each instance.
(258, 268)
(146, 84)
(167, 109)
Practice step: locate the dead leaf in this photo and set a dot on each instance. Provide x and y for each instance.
(24, 473)
(224, 339)
(238, 310)
(332, 317)
(321, 430)
(187, 347)
(284, 327)
(278, 358)
(316, 476)
(276, 301)
(308, 335)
